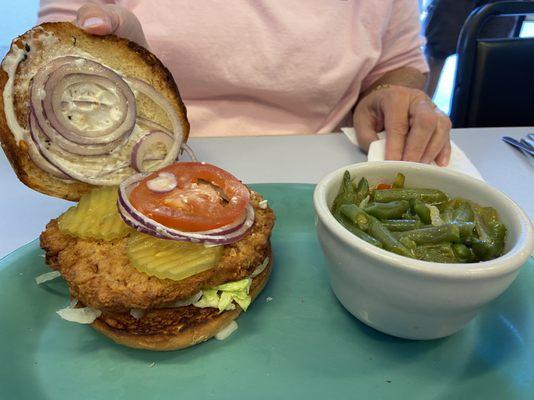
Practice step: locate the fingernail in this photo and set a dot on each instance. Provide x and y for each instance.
(92, 21)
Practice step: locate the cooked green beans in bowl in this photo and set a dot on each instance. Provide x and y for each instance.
(401, 242)
(421, 223)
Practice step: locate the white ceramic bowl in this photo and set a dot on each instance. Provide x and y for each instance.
(410, 298)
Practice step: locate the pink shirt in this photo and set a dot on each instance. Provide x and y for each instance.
(253, 67)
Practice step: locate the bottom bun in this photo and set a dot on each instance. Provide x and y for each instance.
(173, 329)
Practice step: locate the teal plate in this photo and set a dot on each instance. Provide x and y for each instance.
(301, 344)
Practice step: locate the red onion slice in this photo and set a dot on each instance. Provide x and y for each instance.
(189, 152)
(144, 149)
(37, 155)
(117, 118)
(157, 127)
(74, 148)
(83, 123)
(64, 82)
(220, 236)
(177, 129)
(152, 125)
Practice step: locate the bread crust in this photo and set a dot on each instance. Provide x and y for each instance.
(192, 334)
(138, 61)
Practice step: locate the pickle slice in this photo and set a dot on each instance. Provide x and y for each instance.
(169, 258)
(95, 216)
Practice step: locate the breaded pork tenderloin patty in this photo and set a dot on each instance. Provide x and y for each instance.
(99, 273)
(173, 328)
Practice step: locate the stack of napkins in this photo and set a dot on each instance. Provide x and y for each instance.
(377, 152)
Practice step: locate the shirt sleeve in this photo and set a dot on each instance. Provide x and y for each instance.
(63, 10)
(401, 42)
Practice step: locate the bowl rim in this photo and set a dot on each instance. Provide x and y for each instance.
(505, 264)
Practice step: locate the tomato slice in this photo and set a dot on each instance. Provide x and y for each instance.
(383, 186)
(206, 197)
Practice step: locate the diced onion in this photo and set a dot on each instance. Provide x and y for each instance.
(47, 276)
(260, 268)
(226, 331)
(187, 302)
(164, 182)
(85, 315)
(137, 313)
(435, 217)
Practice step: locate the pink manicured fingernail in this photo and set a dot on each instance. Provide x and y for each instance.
(92, 21)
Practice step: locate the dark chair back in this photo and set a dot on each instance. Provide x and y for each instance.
(494, 83)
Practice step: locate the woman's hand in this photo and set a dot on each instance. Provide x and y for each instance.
(416, 130)
(111, 19)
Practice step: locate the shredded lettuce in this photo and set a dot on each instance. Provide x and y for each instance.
(224, 296)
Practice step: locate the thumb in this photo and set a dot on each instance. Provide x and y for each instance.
(110, 19)
(366, 126)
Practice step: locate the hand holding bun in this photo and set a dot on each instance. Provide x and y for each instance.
(37, 50)
(111, 19)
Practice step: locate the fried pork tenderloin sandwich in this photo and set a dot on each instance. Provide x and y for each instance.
(157, 254)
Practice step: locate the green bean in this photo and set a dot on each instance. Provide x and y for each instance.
(362, 190)
(401, 225)
(481, 227)
(429, 196)
(432, 234)
(489, 214)
(347, 193)
(490, 241)
(391, 210)
(355, 215)
(351, 227)
(463, 253)
(446, 214)
(497, 233)
(400, 220)
(374, 227)
(421, 210)
(381, 233)
(399, 181)
(467, 229)
(463, 213)
(483, 249)
(409, 243)
(441, 253)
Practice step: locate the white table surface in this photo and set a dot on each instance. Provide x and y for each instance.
(269, 159)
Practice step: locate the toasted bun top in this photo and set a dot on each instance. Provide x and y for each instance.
(48, 41)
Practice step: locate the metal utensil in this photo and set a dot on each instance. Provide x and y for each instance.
(525, 142)
(525, 149)
(530, 139)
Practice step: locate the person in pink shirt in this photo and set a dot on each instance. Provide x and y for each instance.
(267, 67)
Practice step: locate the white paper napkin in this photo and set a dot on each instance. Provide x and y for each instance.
(377, 152)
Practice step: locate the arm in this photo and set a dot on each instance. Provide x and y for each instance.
(403, 76)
